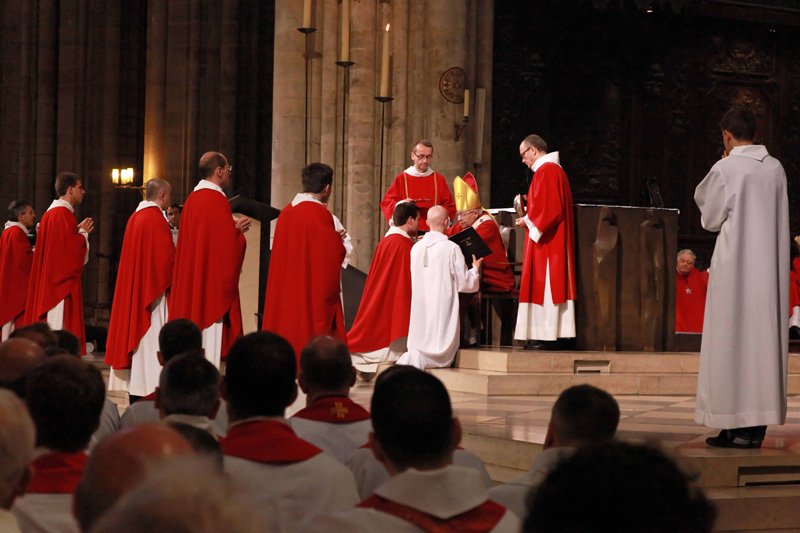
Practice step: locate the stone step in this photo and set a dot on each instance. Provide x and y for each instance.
(523, 361)
(551, 384)
(756, 508)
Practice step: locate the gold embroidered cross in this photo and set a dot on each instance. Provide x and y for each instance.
(338, 410)
(688, 290)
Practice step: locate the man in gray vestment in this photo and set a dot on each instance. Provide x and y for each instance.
(743, 359)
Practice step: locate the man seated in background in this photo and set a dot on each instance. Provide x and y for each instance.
(690, 294)
(262, 453)
(583, 415)
(176, 337)
(65, 397)
(415, 435)
(331, 420)
(188, 392)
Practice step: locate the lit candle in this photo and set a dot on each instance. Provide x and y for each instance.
(307, 14)
(345, 56)
(385, 65)
(129, 179)
(466, 103)
(115, 176)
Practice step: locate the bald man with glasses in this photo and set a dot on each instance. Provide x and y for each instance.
(421, 184)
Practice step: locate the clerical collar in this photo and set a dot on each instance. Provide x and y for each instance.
(394, 230)
(552, 157)
(61, 203)
(411, 171)
(20, 225)
(257, 419)
(205, 184)
(144, 204)
(305, 197)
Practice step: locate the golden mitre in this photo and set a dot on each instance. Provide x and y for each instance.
(466, 192)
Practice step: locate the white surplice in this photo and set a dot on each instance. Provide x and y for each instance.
(743, 358)
(438, 274)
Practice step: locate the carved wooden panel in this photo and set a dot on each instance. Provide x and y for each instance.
(631, 98)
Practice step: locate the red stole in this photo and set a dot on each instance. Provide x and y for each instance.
(208, 261)
(266, 441)
(334, 410)
(56, 473)
(145, 273)
(690, 301)
(56, 272)
(484, 517)
(16, 258)
(302, 299)
(429, 190)
(550, 210)
(385, 307)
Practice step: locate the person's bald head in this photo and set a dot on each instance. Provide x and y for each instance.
(437, 218)
(160, 192)
(118, 463)
(326, 368)
(18, 357)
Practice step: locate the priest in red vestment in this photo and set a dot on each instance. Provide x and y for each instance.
(794, 290)
(139, 308)
(16, 258)
(62, 249)
(380, 329)
(547, 289)
(303, 299)
(420, 184)
(208, 260)
(497, 276)
(690, 294)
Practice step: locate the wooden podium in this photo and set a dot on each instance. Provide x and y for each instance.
(626, 277)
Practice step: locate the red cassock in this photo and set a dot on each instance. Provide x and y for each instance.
(550, 209)
(386, 303)
(56, 272)
(145, 273)
(496, 272)
(302, 299)
(16, 258)
(690, 301)
(428, 191)
(794, 291)
(208, 261)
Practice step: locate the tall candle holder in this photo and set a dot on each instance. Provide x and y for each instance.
(383, 101)
(307, 118)
(345, 66)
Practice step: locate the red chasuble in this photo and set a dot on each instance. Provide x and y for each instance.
(794, 282)
(334, 410)
(145, 273)
(266, 441)
(386, 303)
(428, 191)
(482, 518)
(16, 258)
(550, 209)
(208, 261)
(496, 272)
(56, 272)
(302, 299)
(690, 301)
(56, 473)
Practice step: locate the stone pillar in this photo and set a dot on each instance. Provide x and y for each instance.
(427, 38)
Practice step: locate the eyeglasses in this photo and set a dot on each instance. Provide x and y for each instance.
(424, 157)
(522, 154)
(230, 168)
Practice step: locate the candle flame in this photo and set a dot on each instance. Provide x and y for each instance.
(387, 27)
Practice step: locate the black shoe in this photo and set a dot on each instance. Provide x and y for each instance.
(535, 345)
(735, 438)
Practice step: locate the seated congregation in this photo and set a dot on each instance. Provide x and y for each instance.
(210, 452)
